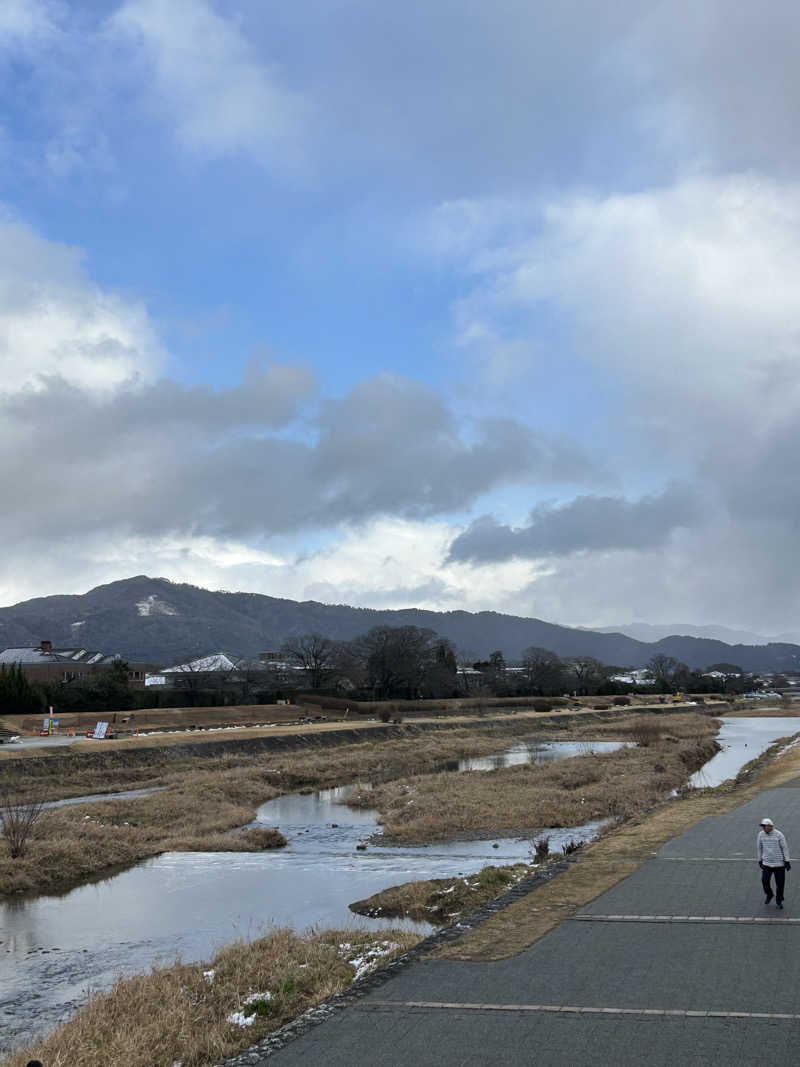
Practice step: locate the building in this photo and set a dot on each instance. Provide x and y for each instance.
(222, 669)
(43, 663)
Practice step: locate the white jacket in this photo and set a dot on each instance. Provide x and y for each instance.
(772, 848)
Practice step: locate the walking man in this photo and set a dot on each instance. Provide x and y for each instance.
(773, 859)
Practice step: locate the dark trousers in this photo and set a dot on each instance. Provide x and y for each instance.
(780, 879)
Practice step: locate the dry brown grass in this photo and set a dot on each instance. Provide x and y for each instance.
(442, 900)
(73, 843)
(615, 856)
(180, 1015)
(207, 797)
(575, 791)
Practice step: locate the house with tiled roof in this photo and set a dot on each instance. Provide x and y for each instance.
(43, 663)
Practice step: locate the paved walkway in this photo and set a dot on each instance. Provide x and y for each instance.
(681, 963)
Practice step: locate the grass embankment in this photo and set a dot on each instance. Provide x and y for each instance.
(536, 796)
(199, 1014)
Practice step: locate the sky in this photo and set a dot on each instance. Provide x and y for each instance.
(444, 304)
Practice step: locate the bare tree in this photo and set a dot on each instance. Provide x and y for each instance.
(661, 669)
(545, 671)
(587, 673)
(18, 821)
(395, 659)
(316, 654)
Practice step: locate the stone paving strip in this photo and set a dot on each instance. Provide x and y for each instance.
(706, 859)
(777, 920)
(572, 1009)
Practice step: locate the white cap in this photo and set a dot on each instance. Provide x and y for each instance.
(767, 822)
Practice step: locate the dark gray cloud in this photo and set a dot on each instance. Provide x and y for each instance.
(587, 523)
(249, 460)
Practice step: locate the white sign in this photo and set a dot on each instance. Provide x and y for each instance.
(100, 730)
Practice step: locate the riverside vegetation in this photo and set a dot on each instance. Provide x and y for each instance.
(200, 1014)
(616, 785)
(205, 801)
(567, 793)
(197, 1015)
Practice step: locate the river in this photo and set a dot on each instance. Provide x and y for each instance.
(57, 949)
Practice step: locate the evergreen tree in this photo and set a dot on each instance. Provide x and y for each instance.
(17, 695)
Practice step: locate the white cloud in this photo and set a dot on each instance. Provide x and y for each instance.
(222, 98)
(689, 291)
(55, 321)
(392, 563)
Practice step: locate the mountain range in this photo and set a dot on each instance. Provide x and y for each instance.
(154, 620)
(646, 631)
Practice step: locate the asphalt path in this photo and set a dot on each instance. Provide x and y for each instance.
(50, 741)
(681, 963)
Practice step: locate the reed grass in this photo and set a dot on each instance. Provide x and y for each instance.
(205, 798)
(182, 1014)
(443, 900)
(537, 796)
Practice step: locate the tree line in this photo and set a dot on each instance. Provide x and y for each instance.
(391, 662)
(385, 663)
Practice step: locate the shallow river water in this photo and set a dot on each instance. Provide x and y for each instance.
(742, 740)
(57, 949)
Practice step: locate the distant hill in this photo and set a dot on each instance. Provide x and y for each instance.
(646, 631)
(161, 622)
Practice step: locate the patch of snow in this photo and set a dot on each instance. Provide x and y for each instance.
(209, 975)
(370, 958)
(239, 1019)
(151, 605)
(242, 1018)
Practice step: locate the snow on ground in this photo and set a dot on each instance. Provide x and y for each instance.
(369, 959)
(152, 605)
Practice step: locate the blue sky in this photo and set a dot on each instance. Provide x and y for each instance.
(451, 305)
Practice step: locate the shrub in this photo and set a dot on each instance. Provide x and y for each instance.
(540, 849)
(542, 705)
(601, 707)
(646, 733)
(18, 822)
(621, 702)
(385, 715)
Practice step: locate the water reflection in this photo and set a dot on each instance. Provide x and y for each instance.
(742, 739)
(56, 949)
(540, 752)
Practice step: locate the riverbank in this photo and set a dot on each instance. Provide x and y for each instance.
(202, 1013)
(205, 797)
(614, 785)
